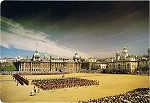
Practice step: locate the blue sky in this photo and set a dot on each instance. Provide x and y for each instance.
(12, 52)
(97, 29)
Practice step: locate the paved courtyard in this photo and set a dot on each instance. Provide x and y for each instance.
(110, 84)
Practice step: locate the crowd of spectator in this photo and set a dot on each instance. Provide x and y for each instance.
(49, 84)
(140, 95)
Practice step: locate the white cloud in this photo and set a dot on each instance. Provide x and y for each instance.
(30, 40)
(102, 53)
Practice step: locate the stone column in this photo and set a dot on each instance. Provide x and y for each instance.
(50, 64)
(31, 67)
(90, 66)
(54, 66)
(19, 67)
(24, 66)
(73, 65)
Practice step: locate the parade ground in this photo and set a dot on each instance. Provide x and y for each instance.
(109, 85)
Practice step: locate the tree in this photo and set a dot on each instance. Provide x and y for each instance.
(7, 68)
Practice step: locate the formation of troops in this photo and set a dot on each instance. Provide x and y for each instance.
(49, 84)
(20, 79)
(140, 95)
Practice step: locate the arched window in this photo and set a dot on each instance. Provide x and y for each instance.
(56, 69)
(118, 66)
(114, 66)
(128, 66)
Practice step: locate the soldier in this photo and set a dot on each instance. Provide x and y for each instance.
(34, 89)
(63, 76)
(37, 90)
(32, 93)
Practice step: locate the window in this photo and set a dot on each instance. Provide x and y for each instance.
(128, 66)
(118, 66)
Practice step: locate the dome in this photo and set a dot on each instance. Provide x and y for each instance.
(36, 54)
(125, 49)
(76, 56)
(117, 53)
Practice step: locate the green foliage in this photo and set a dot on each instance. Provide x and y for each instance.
(116, 71)
(143, 67)
(85, 66)
(7, 68)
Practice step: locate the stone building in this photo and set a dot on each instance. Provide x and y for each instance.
(49, 64)
(123, 62)
(101, 65)
(143, 65)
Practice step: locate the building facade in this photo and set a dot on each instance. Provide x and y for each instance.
(123, 62)
(49, 64)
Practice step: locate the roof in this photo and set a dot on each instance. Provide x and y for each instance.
(36, 54)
